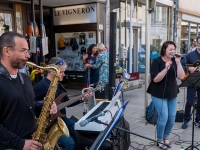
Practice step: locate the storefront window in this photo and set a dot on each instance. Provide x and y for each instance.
(5, 23)
(159, 29)
(72, 46)
(187, 41)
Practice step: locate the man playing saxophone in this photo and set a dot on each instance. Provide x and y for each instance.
(17, 105)
(40, 90)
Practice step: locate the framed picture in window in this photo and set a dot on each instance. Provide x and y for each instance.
(19, 22)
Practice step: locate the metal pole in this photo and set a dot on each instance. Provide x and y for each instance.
(112, 52)
(175, 20)
(120, 38)
(135, 52)
(33, 21)
(189, 28)
(107, 23)
(33, 12)
(41, 29)
(131, 37)
(125, 22)
(41, 15)
(147, 60)
(197, 33)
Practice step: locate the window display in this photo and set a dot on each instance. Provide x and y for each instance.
(19, 22)
(5, 23)
(72, 46)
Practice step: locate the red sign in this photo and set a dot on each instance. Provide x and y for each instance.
(134, 76)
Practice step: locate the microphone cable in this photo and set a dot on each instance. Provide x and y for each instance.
(109, 112)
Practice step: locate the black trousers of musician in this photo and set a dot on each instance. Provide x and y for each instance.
(190, 100)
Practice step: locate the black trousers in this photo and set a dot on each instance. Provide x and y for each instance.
(191, 91)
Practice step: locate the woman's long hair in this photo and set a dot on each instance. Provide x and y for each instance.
(89, 50)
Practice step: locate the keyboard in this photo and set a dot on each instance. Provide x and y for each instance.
(101, 106)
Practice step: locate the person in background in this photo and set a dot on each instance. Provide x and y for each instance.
(17, 105)
(193, 46)
(190, 58)
(40, 90)
(102, 63)
(164, 89)
(90, 58)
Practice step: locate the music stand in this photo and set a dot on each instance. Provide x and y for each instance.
(192, 80)
(103, 135)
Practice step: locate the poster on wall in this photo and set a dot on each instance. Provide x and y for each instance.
(19, 22)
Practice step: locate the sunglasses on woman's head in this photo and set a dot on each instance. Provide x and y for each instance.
(60, 62)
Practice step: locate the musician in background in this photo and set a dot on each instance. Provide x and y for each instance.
(17, 109)
(190, 58)
(164, 89)
(40, 90)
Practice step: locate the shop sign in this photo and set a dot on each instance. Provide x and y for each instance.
(77, 14)
(133, 76)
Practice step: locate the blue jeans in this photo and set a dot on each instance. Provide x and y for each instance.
(190, 100)
(166, 109)
(67, 143)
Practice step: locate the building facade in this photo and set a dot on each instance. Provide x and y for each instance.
(161, 29)
(188, 24)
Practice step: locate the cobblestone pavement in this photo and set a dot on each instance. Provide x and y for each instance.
(134, 114)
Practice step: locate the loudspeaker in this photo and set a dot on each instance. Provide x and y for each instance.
(179, 116)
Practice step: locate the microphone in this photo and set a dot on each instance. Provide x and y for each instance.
(175, 54)
(85, 122)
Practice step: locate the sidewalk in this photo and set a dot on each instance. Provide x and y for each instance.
(134, 114)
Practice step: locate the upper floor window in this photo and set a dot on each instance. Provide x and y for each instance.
(159, 17)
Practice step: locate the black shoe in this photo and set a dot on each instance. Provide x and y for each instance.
(161, 146)
(197, 124)
(184, 125)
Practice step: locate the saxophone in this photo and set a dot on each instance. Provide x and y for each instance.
(49, 140)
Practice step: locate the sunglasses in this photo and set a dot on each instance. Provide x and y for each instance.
(60, 62)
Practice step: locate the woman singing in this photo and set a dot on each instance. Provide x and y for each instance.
(164, 89)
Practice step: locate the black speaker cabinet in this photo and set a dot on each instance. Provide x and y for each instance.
(179, 116)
